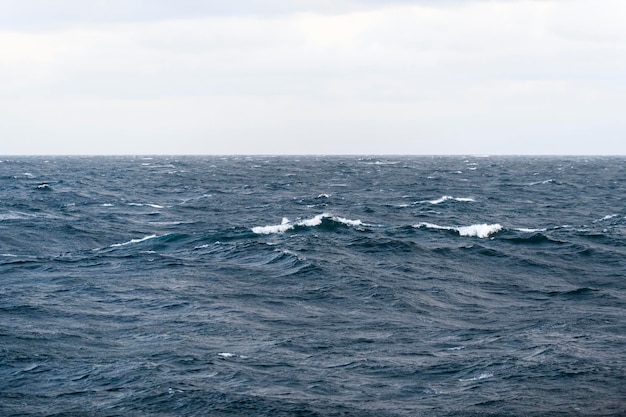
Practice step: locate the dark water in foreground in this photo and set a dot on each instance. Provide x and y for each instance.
(312, 286)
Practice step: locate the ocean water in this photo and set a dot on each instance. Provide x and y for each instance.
(312, 286)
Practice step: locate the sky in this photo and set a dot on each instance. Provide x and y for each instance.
(104, 77)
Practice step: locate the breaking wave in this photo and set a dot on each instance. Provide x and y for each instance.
(482, 231)
(318, 220)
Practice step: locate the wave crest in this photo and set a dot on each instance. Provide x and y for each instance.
(318, 220)
(482, 230)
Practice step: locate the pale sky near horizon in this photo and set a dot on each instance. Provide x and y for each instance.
(313, 77)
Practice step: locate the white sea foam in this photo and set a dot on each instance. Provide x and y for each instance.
(348, 221)
(607, 217)
(433, 226)
(286, 224)
(11, 216)
(18, 215)
(526, 230)
(479, 230)
(133, 241)
(542, 182)
(315, 221)
(483, 375)
(145, 204)
(226, 355)
(448, 197)
(482, 231)
(323, 195)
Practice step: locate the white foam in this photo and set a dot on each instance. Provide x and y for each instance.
(526, 230)
(11, 216)
(448, 197)
(107, 205)
(483, 375)
(226, 355)
(312, 222)
(477, 230)
(315, 221)
(348, 221)
(145, 204)
(607, 217)
(323, 195)
(133, 241)
(433, 226)
(542, 182)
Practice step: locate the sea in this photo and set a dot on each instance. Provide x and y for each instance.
(312, 286)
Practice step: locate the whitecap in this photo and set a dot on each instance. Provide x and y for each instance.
(607, 217)
(348, 221)
(315, 221)
(323, 195)
(133, 241)
(483, 375)
(448, 197)
(433, 226)
(542, 182)
(226, 355)
(477, 230)
(286, 224)
(11, 216)
(527, 230)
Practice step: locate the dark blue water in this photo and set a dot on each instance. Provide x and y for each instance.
(312, 286)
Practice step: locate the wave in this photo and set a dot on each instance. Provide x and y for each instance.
(607, 217)
(483, 375)
(445, 198)
(145, 204)
(482, 230)
(130, 242)
(529, 230)
(318, 220)
(550, 181)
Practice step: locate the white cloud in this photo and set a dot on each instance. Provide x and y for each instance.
(466, 77)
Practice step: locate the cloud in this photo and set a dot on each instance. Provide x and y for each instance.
(41, 14)
(467, 77)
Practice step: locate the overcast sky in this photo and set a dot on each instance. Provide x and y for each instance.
(313, 77)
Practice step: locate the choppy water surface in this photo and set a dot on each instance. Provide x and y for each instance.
(312, 286)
